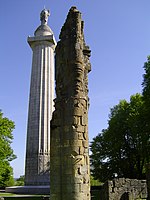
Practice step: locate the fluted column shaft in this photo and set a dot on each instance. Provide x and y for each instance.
(40, 111)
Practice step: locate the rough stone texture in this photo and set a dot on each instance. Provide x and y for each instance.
(69, 163)
(148, 181)
(40, 106)
(124, 189)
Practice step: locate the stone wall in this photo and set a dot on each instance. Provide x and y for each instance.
(69, 162)
(148, 181)
(124, 189)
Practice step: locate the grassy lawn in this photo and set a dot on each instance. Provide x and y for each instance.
(6, 194)
(25, 198)
(10, 196)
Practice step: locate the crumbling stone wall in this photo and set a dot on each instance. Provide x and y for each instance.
(148, 180)
(124, 189)
(69, 162)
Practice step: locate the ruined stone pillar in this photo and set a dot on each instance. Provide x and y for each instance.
(69, 162)
(40, 105)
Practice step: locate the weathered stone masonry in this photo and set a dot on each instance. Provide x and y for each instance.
(69, 162)
(124, 189)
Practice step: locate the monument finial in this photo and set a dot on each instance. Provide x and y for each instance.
(44, 16)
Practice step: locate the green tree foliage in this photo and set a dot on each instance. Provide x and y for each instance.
(6, 152)
(146, 97)
(123, 147)
(94, 182)
(20, 181)
(146, 82)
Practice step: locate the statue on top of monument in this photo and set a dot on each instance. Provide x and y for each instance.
(44, 16)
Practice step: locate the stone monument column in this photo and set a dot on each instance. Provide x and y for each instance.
(69, 161)
(40, 104)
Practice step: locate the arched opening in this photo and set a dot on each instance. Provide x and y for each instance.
(125, 196)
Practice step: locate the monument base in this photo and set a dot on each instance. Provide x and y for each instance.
(29, 189)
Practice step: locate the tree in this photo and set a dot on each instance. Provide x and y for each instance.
(146, 98)
(146, 83)
(6, 152)
(20, 181)
(122, 148)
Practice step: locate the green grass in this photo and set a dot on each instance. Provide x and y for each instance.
(6, 194)
(24, 198)
(10, 196)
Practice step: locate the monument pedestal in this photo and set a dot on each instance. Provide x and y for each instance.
(43, 190)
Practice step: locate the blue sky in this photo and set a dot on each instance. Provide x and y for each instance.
(118, 33)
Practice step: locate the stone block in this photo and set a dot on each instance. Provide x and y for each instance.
(56, 161)
(85, 134)
(77, 180)
(122, 181)
(86, 130)
(77, 143)
(75, 150)
(84, 188)
(85, 143)
(84, 120)
(78, 111)
(79, 160)
(84, 103)
(134, 182)
(66, 129)
(83, 169)
(76, 188)
(80, 128)
(56, 141)
(81, 150)
(76, 120)
(66, 150)
(66, 143)
(80, 136)
(55, 152)
(86, 158)
(86, 178)
(86, 151)
(68, 171)
(55, 123)
(71, 135)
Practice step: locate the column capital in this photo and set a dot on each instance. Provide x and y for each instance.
(32, 41)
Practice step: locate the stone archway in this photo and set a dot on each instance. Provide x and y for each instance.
(124, 189)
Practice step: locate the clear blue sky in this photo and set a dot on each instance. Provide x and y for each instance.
(118, 33)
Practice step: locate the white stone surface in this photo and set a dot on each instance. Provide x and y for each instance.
(40, 110)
